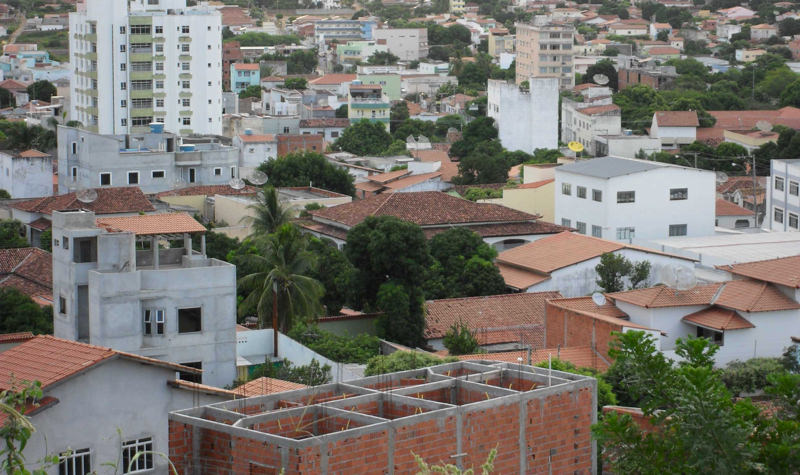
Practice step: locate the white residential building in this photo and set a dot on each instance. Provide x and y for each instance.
(408, 44)
(675, 128)
(172, 304)
(27, 174)
(255, 149)
(526, 119)
(593, 116)
(99, 406)
(624, 199)
(782, 197)
(143, 61)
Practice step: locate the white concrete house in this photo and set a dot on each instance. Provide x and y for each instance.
(100, 406)
(566, 263)
(732, 216)
(27, 174)
(624, 199)
(408, 44)
(675, 128)
(143, 61)
(255, 149)
(172, 304)
(585, 121)
(783, 196)
(526, 119)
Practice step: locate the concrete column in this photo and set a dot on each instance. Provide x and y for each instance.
(203, 244)
(154, 245)
(187, 243)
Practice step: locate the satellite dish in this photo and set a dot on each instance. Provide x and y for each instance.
(722, 177)
(599, 299)
(575, 146)
(764, 126)
(685, 279)
(667, 276)
(87, 195)
(257, 177)
(236, 183)
(601, 79)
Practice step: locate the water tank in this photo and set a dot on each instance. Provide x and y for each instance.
(156, 127)
(186, 148)
(627, 132)
(248, 131)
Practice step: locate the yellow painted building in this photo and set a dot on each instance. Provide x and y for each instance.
(457, 6)
(368, 101)
(534, 198)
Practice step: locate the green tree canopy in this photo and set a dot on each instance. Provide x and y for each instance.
(606, 68)
(384, 58)
(295, 83)
(269, 213)
(615, 269)
(6, 98)
(462, 266)
(11, 234)
(485, 163)
(397, 115)
(364, 138)
(18, 136)
(250, 91)
(333, 270)
(460, 340)
(302, 168)
(42, 90)
(403, 361)
(19, 313)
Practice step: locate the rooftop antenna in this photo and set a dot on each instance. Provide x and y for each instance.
(599, 299)
(236, 183)
(87, 195)
(257, 177)
(600, 79)
(764, 126)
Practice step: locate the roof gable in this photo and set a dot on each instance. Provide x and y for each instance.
(677, 118)
(555, 252)
(783, 271)
(129, 199)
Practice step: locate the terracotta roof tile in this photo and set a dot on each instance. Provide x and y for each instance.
(33, 154)
(411, 180)
(388, 176)
(595, 110)
(726, 208)
(656, 50)
(754, 296)
(506, 229)
(555, 252)
(663, 296)
(246, 66)
(536, 184)
(784, 271)
(15, 337)
(368, 186)
(449, 168)
(677, 119)
(42, 224)
(328, 122)
(333, 79)
(587, 305)
(203, 388)
(128, 199)
(580, 356)
(263, 138)
(209, 190)
(494, 319)
(28, 269)
(151, 224)
(51, 360)
(264, 386)
(718, 319)
(520, 279)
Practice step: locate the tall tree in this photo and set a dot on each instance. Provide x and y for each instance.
(6, 98)
(462, 266)
(308, 168)
(364, 138)
(283, 265)
(269, 213)
(18, 313)
(42, 90)
(485, 163)
(397, 115)
(607, 69)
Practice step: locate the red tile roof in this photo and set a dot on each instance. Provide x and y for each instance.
(128, 199)
(203, 388)
(449, 168)
(333, 79)
(726, 208)
(494, 319)
(13, 85)
(580, 356)
(663, 296)
(677, 119)
(341, 122)
(15, 337)
(662, 50)
(411, 180)
(259, 138)
(42, 224)
(596, 110)
(209, 190)
(536, 184)
(235, 16)
(152, 224)
(555, 252)
(263, 386)
(718, 318)
(33, 154)
(246, 66)
(383, 178)
(784, 271)
(51, 360)
(754, 296)
(29, 270)
(520, 279)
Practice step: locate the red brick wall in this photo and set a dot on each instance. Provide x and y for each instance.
(578, 331)
(298, 143)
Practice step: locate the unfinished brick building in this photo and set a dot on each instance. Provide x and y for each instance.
(452, 413)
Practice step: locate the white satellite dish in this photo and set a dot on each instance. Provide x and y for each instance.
(722, 177)
(257, 177)
(764, 126)
(236, 183)
(667, 276)
(601, 79)
(685, 279)
(87, 195)
(598, 299)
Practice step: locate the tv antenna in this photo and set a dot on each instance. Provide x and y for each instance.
(257, 177)
(86, 195)
(600, 79)
(598, 299)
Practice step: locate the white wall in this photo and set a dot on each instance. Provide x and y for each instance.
(525, 120)
(26, 177)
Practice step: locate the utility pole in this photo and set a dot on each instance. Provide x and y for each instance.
(755, 195)
(275, 318)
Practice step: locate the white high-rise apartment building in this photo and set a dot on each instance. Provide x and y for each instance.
(143, 61)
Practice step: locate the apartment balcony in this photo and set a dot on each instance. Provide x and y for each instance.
(142, 94)
(185, 57)
(185, 39)
(140, 129)
(186, 132)
(185, 76)
(159, 95)
(185, 113)
(159, 113)
(135, 19)
(141, 56)
(141, 75)
(140, 38)
(142, 112)
(185, 94)
(90, 37)
(159, 76)
(188, 158)
(159, 57)
(90, 56)
(159, 39)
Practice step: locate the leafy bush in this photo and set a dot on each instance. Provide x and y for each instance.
(605, 392)
(475, 194)
(459, 340)
(751, 375)
(403, 361)
(312, 374)
(358, 349)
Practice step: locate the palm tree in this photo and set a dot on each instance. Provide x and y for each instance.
(283, 264)
(270, 214)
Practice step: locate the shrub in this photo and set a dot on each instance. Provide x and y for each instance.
(459, 340)
(605, 392)
(403, 361)
(358, 349)
(751, 375)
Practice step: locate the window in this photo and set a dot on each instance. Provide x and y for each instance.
(186, 121)
(105, 179)
(581, 227)
(185, 29)
(713, 335)
(678, 194)
(597, 231)
(192, 377)
(123, 103)
(581, 192)
(62, 304)
(140, 29)
(159, 102)
(793, 221)
(184, 66)
(129, 450)
(779, 183)
(741, 223)
(233, 172)
(74, 147)
(159, 66)
(153, 321)
(186, 102)
(122, 48)
(122, 30)
(123, 86)
(190, 320)
(159, 29)
(160, 48)
(75, 462)
(123, 66)
(778, 214)
(677, 229)
(159, 84)
(793, 188)
(192, 175)
(133, 178)
(597, 195)
(185, 48)
(217, 171)
(286, 130)
(625, 233)
(158, 173)
(566, 222)
(626, 196)
(123, 122)
(566, 189)
(186, 84)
